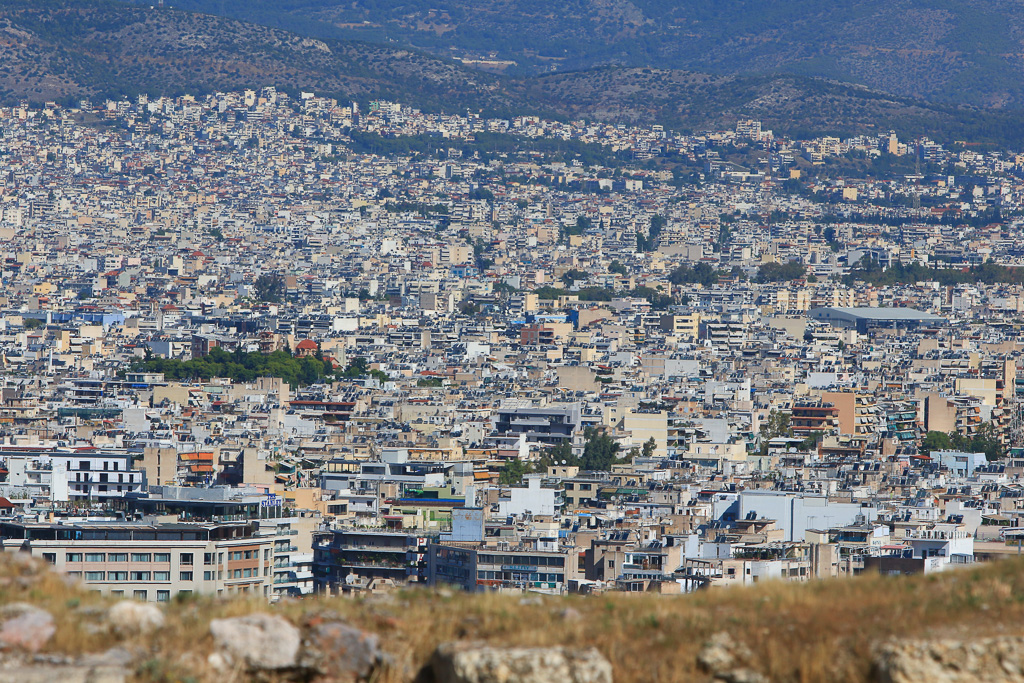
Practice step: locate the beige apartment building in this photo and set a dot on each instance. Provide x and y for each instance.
(152, 562)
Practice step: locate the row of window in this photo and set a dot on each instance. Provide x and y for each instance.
(517, 576)
(101, 488)
(526, 560)
(161, 596)
(184, 558)
(248, 555)
(236, 574)
(129, 576)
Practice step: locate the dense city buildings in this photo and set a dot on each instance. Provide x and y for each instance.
(259, 343)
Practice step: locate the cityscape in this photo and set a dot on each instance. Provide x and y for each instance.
(654, 345)
(262, 344)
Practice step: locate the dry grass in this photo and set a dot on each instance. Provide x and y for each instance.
(819, 631)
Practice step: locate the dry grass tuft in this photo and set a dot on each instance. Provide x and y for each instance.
(818, 631)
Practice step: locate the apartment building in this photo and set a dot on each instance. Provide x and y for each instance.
(152, 562)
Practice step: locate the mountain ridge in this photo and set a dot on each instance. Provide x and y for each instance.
(63, 50)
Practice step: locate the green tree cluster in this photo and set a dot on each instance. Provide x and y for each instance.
(780, 272)
(269, 288)
(700, 274)
(984, 441)
(775, 426)
(242, 366)
(870, 272)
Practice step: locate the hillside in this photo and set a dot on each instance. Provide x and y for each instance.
(67, 49)
(54, 49)
(781, 631)
(791, 104)
(947, 51)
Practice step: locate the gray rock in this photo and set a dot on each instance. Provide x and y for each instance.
(25, 627)
(129, 617)
(64, 674)
(951, 661)
(723, 657)
(479, 663)
(340, 652)
(261, 641)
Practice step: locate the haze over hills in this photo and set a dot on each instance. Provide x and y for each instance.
(65, 49)
(950, 51)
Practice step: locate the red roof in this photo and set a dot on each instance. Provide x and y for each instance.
(306, 344)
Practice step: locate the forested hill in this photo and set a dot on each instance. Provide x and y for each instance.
(54, 49)
(938, 50)
(66, 49)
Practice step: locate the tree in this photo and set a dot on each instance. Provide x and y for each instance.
(599, 451)
(775, 426)
(984, 441)
(270, 288)
(935, 441)
(812, 440)
(616, 267)
(780, 272)
(573, 275)
(649, 447)
(512, 472)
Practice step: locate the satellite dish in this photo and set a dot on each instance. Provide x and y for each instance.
(563, 462)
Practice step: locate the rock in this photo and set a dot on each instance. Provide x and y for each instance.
(722, 657)
(25, 627)
(951, 661)
(339, 652)
(570, 614)
(261, 641)
(718, 653)
(129, 617)
(64, 674)
(464, 662)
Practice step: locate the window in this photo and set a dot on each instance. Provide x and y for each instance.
(161, 576)
(141, 557)
(50, 557)
(247, 574)
(207, 558)
(185, 558)
(207, 576)
(248, 554)
(117, 576)
(235, 555)
(118, 557)
(141, 595)
(139, 576)
(163, 596)
(237, 574)
(161, 557)
(75, 575)
(95, 576)
(95, 557)
(117, 594)
(74, 557)
(83, 465)
(220, 558)
(186, 576)
(266, 555)
(185, 592)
